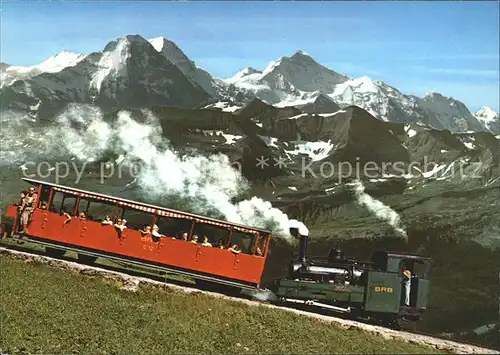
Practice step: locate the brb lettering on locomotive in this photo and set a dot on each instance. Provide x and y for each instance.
(383, 289)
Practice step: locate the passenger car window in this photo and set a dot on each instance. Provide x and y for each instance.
(96, 210)
(173, 227)
(137, 219)
(244, 240)
(214, 233)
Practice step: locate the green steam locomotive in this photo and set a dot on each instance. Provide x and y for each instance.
(375, 290)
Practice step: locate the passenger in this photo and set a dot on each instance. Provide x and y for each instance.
(107, 221)
(31, 198)
(206, 243)
(194, 240)
(235, 249)
(121, 224)
(43, 206)
(67, 215)
(258, 252)
(22, 198)
(156, 233)
(82, 215)
(220, 244)
(32, 195)
(20, 209)
(183, 236)
(406, 283)
(146, 230)
(28, 207)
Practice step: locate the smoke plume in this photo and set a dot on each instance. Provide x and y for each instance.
(210, 182)
(378, 208)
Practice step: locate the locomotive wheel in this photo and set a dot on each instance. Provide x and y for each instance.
(87, 259)
(55, 253)
(409, 324)
(388, 320)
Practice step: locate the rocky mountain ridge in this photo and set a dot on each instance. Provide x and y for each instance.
(132, 72)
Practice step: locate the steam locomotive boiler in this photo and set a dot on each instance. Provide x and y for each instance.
(371, 289)
(336, 268)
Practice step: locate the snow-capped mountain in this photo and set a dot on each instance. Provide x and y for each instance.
(242, 73)
(133, 72)
(489, 118)
(288, 80)
(378, 98)
(300, 72)
(299, 80)
(198, 76)
(128, 73)
(448, 113)
(54, 64)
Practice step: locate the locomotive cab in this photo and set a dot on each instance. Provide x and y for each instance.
(418, 265)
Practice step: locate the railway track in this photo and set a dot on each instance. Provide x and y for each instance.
(132, 280)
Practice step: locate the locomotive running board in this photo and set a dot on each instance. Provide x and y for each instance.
(319, 304)
(148, 265)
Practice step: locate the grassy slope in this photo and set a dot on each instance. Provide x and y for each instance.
(47, 310)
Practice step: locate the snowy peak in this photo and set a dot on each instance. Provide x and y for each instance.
(133, 60)
(489, 118)
(128, 72)
(60, 61)
(374, 96)
(172, 52)
(113, 61)
(303, 73)
(289, 79)
(433, 95)
(449, 113)
(301, 56)
(241, 74)
(439, 99)
(300, 52)
(125, 41)
(362, 84)
(54, 64)
(198, 76)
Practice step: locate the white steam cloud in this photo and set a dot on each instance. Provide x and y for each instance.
(210, 182)
(378, 208)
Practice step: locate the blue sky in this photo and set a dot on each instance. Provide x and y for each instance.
(449, 47)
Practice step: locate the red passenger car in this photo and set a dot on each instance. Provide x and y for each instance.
(58, 223)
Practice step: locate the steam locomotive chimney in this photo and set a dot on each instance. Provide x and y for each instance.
(303, 244)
